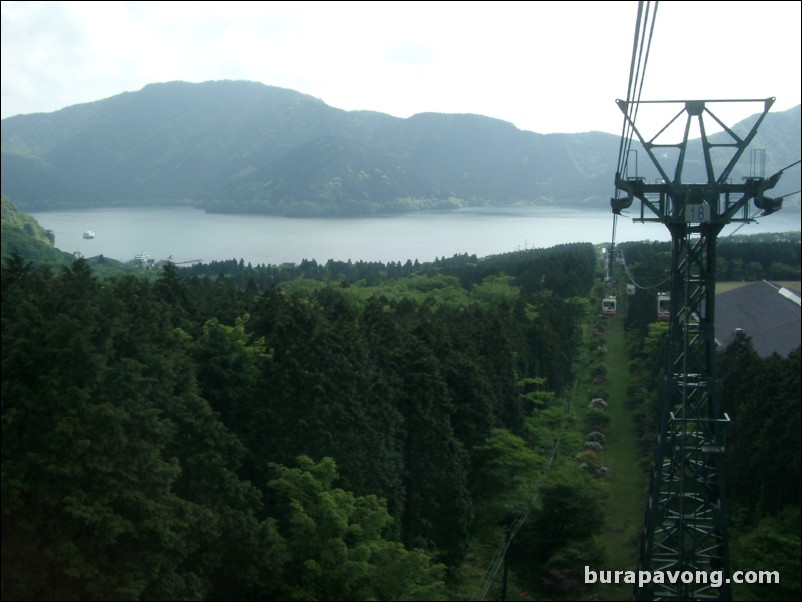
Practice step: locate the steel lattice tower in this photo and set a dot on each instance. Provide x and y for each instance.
(685, 525)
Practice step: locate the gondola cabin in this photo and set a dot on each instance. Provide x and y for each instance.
(631, 290)
(608, 306)
(663, 307)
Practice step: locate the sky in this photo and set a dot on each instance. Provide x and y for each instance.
(546, 67)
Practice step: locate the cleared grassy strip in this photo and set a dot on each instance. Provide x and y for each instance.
(627, 484)
(723, 287)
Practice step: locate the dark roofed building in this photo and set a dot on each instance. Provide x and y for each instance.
(767, 313)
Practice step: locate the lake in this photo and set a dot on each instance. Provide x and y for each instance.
(184, 234)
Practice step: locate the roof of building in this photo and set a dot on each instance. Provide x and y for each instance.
(766, 312)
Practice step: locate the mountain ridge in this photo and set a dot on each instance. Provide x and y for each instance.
(240, 146)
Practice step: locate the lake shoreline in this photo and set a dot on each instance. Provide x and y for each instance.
(182, 233)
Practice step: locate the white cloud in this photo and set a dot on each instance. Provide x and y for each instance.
(544, 66)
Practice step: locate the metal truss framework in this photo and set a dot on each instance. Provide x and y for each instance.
(685, 524)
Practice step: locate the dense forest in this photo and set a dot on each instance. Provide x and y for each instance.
(349, 430)
(189, 438)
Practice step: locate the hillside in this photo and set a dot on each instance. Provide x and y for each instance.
(237, 146)
(23, 234)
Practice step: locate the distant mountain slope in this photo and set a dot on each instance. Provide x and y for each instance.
(237, 146)
(22, 234)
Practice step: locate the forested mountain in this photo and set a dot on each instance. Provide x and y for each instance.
(236, 146)
(22, 234)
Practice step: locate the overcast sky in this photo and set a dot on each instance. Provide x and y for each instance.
(543, 66)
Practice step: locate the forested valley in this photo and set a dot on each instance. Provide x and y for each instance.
(343, 431)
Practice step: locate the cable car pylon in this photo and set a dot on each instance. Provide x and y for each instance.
(685, 528)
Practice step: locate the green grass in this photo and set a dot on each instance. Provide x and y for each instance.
(790, 284)
(723, 287)
(626, 482)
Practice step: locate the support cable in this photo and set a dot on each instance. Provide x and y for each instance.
(634, 282)
(637, 72)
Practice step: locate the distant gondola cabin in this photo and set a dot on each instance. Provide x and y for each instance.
(663, 307)
(608, 306)
(630, 290)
